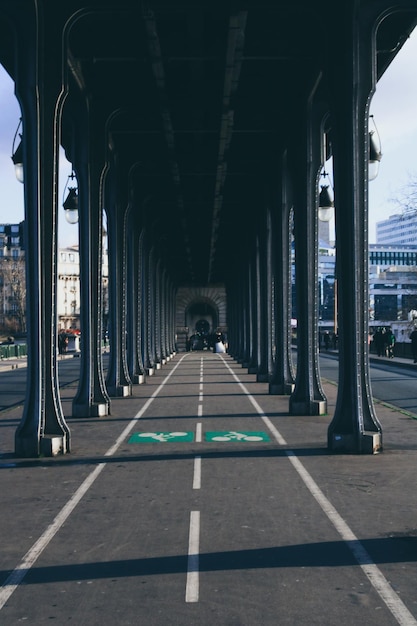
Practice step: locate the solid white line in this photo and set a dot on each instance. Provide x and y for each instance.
(372, 572)
(192, 585)
(16, 577)
(198, 432)
(197, 473)
(277, 435)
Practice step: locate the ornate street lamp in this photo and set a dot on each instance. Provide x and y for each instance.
(17, 154)
(375, 154)
(326, 202)
(70, 204)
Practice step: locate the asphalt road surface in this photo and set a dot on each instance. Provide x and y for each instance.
(390, 383)
(201, 501)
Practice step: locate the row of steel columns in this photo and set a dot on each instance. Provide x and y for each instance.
(141, 294)
(259, 305)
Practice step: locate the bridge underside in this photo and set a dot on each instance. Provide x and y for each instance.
(201, 130)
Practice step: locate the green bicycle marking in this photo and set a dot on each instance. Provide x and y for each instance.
(161, 437)
(232, 435)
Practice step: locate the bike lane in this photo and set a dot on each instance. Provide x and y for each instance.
(273, 546)
(227, 521)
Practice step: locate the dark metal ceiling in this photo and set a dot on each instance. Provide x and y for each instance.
(202, 95)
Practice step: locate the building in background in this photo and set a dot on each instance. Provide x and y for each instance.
(13, 284)
(392, 284)
(327, 286)
(393, 287)
(12, 280)
(68, 292)
(398, 229)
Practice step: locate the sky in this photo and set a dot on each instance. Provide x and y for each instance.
(393, 107)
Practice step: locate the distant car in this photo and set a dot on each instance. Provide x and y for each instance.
(199, 342)
(6, 340)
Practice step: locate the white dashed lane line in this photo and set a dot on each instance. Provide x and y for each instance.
(363, 558)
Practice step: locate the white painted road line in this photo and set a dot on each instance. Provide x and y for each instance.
(372, 572)
(192, 587)
(198, 432)
(277, 435)
(31, 556)
(197, 473)
(200, 410)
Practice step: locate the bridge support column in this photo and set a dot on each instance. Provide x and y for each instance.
(134, 277)
(91, 399)
(42, 429)
(354, 427)
(308, 397)
(282, 378)
(118, 381)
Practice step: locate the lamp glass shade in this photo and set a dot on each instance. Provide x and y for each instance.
(19, 173)
(71, 206)
(325, 214)
(326, 204)
(373, 170)
(71, 216)
(375, 156)
(17, 159)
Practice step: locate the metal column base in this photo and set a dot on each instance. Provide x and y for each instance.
(318, 407)
(138, 379)
(150, 371)
(364, 443)
(29, 447)
(120, 391)
(284, 389)
(52, 445)
(97, 409)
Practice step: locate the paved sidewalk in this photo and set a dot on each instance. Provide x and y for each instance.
(268, 553)
(21, 362)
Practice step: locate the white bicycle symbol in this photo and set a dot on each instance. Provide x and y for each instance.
(162, 436)
(235, 436)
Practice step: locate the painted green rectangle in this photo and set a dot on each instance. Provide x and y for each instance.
(233, 435)
(161, 437)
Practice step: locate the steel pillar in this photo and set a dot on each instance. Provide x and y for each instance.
(42, 430)
(354, 427)
(157, 314)
(282, 378)
(91, 399)
(253, 302)
(308, 397)
(117, 380)
(264, 299)
(134, 336)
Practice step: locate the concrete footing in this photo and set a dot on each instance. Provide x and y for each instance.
(364, 443)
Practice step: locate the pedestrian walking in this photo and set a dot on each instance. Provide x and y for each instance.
(379, 342)
(413, 338)
(389, 343)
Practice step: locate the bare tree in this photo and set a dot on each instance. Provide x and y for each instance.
(13, 292)
(406, 196)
